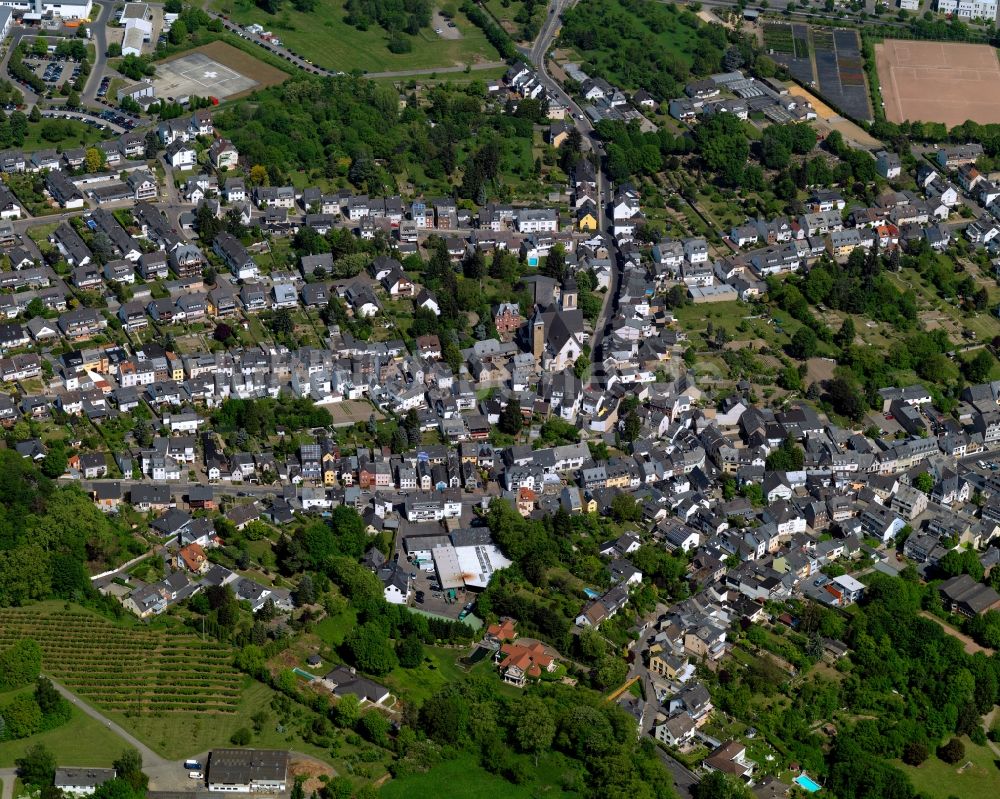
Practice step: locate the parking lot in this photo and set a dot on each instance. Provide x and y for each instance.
(430, 598)
(124, 120)
(427, 594)
(53, 71)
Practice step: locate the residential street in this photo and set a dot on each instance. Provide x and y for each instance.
(684, 778)
(8, 775)
(100, 39)
(537, 56)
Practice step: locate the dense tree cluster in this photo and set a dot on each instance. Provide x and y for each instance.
(29, 714)
(48, 534)
(624, 42)
(496, 35)
(779, 142)
(593, 741)
(265, 416)
(20, 664)
(315, 543)
(723, 146)
(788, 457)
(632, 153)
(910, 690)
(312, 123)
(858, 286)
(393, 15)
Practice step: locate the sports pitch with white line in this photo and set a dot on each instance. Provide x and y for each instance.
(197, 74)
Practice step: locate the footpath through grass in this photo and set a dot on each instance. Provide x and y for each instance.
(81, 741)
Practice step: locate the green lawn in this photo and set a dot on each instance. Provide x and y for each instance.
(457, 779)
(82, 741)
(937, 780)
(72, 133)
(323, 37)
(440, 666)
(333, 629)
(493, 73)
(463, 778)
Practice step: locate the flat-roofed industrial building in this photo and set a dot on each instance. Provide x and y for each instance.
(248, 770)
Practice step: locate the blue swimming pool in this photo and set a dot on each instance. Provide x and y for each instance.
(808, 783)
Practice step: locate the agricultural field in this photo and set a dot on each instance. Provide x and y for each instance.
(840, 71)
(176, 693)
(792, 40)
(136, 672)
(825, 58)
(790, 48)
(323, 37)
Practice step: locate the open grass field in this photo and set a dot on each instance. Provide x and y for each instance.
(463, 778)
(82, 741)
(976, 774)
(455, 779)
(65, 133)
(324, 38)
(333, 629)
(136, 672)
(440, 666)
(939, 82)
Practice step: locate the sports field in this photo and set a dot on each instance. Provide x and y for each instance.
(213, 70)
(939, 82)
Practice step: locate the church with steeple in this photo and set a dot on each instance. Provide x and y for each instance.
(555, 332)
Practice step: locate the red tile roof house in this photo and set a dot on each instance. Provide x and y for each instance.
(519, 662)
(193, 558)
(503, 632)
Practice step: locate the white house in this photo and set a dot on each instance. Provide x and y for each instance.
(82, 781)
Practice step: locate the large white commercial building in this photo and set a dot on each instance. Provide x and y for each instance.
(81, 9)
(969, 9)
